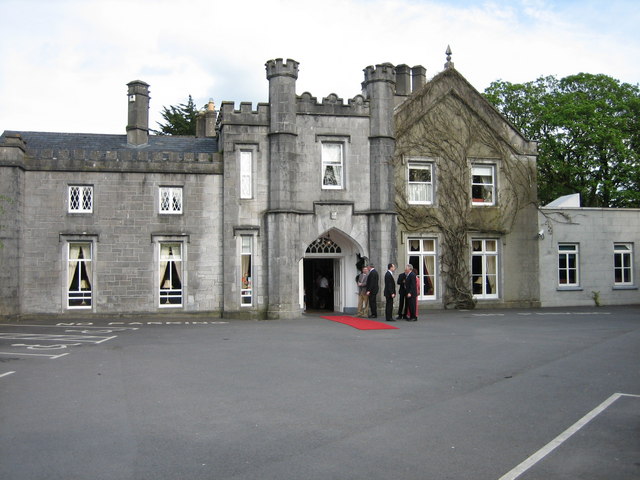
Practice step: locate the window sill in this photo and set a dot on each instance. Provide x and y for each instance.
(625, 287)
(569, 289)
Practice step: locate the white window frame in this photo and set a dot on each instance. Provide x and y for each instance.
(329, 162)
(80, 285)
(623, 264)
(481, 283)
(246, 174)
(174, 195)
(568, 263)
(246, 277)
(480, 170)
(83, 191)
(171, 289)
(420, 252)
(414, 187)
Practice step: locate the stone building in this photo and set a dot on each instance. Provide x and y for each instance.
(587, 255)
(466, 196)
(243, 219)
(237, 221)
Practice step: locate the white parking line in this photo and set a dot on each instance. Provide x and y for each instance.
(70, 325)
(563, 437)
(19, 354)
(6, 374)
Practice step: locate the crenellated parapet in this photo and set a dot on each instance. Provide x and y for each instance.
(43, 151)
(332, 105)
(278, 67)
(59, 157)
(245, 115)
(384, 72)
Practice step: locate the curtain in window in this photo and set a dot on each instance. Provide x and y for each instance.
(79, 267)
(332, 160)
(170, 274)
(79, 276)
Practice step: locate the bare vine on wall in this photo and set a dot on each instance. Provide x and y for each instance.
(451, 135)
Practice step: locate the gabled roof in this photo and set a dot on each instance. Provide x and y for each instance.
(450, 82)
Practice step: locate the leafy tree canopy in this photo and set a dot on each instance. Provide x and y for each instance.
(179, 120)
(588, 133)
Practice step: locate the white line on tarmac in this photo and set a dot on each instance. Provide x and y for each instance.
(55, 338)
(563, 437)
(106, 328)
(6, 374)
(18, 354)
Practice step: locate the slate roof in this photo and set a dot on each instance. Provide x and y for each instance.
(36, 141)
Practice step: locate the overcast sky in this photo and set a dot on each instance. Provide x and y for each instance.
(64, 64)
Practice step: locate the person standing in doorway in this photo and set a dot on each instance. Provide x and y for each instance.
(363, 299)
(411, 287)
(389, 292)
(323, 285)
(373, 287)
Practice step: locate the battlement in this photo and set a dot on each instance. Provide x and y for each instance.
(245, 115)
(384, 72)
(332, 105)
(124, 155)
(278, 67)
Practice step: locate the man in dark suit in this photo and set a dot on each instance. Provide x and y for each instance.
(373, 287)
(402, 294)
(411, 288)
(389, 292)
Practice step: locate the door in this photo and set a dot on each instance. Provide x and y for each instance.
(337, 285)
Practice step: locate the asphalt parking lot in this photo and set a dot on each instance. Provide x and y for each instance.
(496, 395)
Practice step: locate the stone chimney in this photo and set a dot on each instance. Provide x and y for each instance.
(138, 122)
(403, 80)
(206, 121)
(418, 77)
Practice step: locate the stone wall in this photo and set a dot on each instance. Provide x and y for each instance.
(125, 227)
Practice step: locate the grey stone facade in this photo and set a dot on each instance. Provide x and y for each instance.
(267, 200)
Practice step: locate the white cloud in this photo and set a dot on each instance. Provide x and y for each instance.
(66, 64)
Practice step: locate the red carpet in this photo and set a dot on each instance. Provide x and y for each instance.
(361, 323)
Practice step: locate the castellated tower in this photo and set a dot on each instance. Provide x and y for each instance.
(282, 78)
(283, 172)
(379, 87)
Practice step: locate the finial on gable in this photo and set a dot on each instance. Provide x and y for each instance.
(449, 63)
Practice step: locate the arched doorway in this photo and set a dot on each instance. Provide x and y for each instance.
(327, 274)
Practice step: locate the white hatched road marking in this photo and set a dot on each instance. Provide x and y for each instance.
(56, 338)
(73, 337)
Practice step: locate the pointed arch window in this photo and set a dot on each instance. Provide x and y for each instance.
(324, 245)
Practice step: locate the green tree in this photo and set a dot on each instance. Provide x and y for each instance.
(588, 133)
(179, 120)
